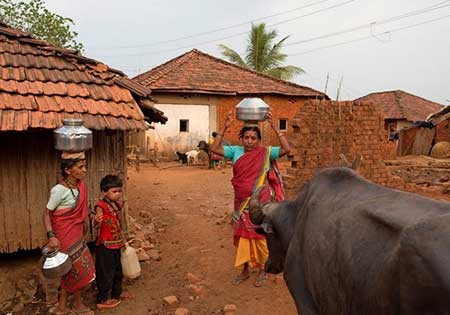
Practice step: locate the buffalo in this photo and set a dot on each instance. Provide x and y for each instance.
(349, 246)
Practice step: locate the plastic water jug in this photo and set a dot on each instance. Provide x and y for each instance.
(130, 263)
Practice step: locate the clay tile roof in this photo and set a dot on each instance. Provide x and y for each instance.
(197, 72)
(41, 84)
(402, 105)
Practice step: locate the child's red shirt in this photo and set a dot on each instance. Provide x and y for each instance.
(110, 233)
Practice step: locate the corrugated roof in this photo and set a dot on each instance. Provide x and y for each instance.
(197, 72)
(402, 105)
(41, 84)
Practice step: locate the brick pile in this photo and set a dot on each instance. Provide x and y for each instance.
(325, 129)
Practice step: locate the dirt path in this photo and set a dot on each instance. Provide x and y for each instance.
(187, 202)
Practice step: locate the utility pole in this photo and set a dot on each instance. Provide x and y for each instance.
(339, 88)
(326, 83)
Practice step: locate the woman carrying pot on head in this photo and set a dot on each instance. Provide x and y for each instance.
(65, 220)
(253, 166)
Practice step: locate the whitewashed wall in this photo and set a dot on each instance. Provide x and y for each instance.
(167, 138)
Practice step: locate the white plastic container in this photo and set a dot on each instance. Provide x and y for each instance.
(131, 268)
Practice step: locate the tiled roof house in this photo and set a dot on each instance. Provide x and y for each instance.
(195, 86)
(400, 111)
(41, 84)
(401, 106)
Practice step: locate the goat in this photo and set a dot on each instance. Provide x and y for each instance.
(192, 157)
(182, 157)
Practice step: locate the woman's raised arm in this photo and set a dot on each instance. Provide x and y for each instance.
(217, 147)
(285, 146)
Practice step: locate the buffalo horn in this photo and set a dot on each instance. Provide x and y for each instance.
(255, 211)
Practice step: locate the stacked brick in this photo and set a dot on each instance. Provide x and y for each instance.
(325, 129)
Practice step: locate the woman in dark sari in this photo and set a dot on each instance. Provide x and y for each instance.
(253, 166)
(65, 220)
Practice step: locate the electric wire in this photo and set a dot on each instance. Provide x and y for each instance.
(229, 36)
(376, 23)
(212, 31)
(370, 36)
(437, 6)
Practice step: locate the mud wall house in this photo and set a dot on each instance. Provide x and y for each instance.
(39, 86)
(420, 139)
(196, 91)
(400, 109)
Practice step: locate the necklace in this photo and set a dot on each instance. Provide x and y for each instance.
(70, 186)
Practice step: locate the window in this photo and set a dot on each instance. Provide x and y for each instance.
(283, 124)
(184, 125)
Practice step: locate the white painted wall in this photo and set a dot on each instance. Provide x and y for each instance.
(167, 138)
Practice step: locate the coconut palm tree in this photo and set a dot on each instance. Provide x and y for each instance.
(262, 54)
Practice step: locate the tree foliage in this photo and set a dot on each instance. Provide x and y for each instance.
(33, 17)
(263, 54)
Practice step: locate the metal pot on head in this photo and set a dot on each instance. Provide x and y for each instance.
(72, 136)
(55, 263)
(251, 109)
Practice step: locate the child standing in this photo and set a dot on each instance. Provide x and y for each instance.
(109, 242)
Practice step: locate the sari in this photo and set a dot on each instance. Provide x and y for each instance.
(70, 227)
(251, 171)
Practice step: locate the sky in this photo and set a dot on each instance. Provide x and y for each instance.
(364, 46)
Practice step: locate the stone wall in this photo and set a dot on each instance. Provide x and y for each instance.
(322, 130)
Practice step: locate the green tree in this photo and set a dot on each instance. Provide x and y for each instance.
(262, 54)
(33, 17)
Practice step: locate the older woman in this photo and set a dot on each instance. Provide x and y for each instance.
(253, 166)
(65, 220)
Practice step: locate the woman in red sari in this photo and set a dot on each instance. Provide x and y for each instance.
(253, 166)
(65, 220)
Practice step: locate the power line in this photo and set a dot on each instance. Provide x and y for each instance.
(212, 31)
(381, 22)
(371, 36)
(231, 36)
(402, 16)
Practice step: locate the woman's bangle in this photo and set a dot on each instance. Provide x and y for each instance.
(280, 135)
(51, 234)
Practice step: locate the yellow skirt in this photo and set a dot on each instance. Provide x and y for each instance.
(251, 251)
